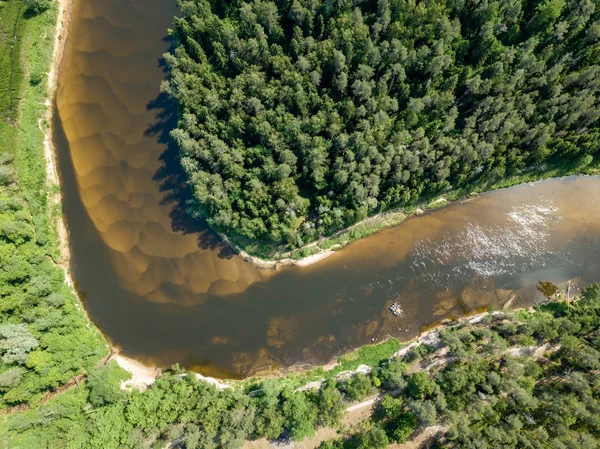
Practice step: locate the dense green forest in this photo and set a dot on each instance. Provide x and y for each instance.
(298, 118)
(481, 384)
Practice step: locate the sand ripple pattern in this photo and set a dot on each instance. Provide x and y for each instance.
(112, 75)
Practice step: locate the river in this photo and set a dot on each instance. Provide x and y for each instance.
(165, 289)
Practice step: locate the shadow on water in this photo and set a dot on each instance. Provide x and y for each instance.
(172, 178)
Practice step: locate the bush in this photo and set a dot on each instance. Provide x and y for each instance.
(37, 6)
(358, 387)
(402, 428)
(391, 374)
(375, 438)
(36, 77)
(418, 352)
(420, 385)
(330, 404)
(6, 175)
(424, 412)
(6, 157)
(584, 161)
(104, 384)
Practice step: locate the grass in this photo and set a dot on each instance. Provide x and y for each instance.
(11, 27)
(370, 355)
(26, 52)
(26, 47)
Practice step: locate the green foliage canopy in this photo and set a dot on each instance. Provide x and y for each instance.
(299, 117)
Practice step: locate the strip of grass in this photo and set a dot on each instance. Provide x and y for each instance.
(11, 27)
(36, 57)
(370, 355)
(26, 44)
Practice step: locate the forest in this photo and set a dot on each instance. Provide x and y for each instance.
(524, 379)
(300, 117)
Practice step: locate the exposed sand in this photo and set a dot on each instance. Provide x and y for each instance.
(306, 261)
(385, 217)
(215, 382)
(439, 200)
(52, 179)
(142, 376)
(263, 263)
(45, 126)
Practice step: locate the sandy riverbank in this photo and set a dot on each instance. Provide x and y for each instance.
(45, 125)
(142, 376)
(394, 217)
(52, 178)
(373, 224)
(272, 263)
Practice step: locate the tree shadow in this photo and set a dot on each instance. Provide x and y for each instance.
(173, 179)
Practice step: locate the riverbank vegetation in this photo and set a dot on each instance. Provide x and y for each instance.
(45, 340)
(528, 380)
(299, 118)
(511, 379)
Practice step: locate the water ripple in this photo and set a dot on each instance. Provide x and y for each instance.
(508, 248)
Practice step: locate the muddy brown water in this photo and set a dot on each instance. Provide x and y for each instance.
(165, 289)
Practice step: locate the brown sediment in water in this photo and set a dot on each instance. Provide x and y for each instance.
(54, 195)
(111, 76)
(165, 289)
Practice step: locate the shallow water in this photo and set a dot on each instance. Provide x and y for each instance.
(165, 289)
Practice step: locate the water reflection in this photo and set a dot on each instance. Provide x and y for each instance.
(166, 290)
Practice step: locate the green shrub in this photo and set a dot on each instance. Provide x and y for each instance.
(36, 77)
(358, 386)
(7, 175)
(104, 384)
(420, 385)
(37, 6)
